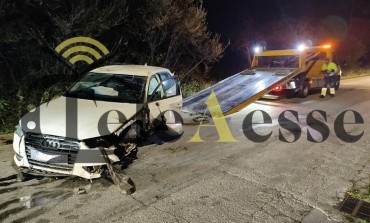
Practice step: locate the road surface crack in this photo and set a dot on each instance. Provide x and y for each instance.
(166, 212)
(359, 180)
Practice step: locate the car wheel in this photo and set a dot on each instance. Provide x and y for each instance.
(134, 134)
(337, 84)
(304, 92)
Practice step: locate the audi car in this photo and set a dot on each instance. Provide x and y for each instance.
(111, 107)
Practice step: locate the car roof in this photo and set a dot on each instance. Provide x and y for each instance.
(138, 70)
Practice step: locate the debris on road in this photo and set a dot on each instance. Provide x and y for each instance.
(123, 182)
(81, 191)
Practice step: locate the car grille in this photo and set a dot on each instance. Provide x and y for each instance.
(58, 146)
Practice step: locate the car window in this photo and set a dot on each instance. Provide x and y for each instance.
(109, 87)
(164, 75)
(155, 89)
(171, 88)
(170, 85)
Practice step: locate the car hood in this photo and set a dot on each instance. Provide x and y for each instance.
(78, 118)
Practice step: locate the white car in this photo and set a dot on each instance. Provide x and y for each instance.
(111, 107)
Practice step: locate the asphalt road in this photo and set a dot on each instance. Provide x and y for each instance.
(183, 181)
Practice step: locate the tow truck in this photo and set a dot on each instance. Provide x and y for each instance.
(273, 74)
(305, 62)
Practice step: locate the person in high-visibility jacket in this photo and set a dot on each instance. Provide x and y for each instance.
(331, 71)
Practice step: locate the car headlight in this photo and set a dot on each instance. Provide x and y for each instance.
(19, 130)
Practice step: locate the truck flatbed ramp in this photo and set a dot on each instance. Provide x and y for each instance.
(236, 92)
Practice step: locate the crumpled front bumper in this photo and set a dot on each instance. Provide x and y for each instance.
(84, 159)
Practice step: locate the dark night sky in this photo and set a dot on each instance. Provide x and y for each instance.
(227, 18)
(225, 15)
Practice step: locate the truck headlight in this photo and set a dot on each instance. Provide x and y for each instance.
(19, 130)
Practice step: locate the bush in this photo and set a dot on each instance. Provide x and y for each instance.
(6, 124)
(189, 88)
(14, 107)
(355, 72)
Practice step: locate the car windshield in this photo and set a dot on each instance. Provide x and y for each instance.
(278, 61)
(110, 87)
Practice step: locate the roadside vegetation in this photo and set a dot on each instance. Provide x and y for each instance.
(361, 192)
(354, 73)
(355, 220)
(189, 88)
(167, 33)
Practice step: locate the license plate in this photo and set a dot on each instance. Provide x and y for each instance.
(49, 158)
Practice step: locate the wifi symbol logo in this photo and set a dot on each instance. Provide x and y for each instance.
(77, 49)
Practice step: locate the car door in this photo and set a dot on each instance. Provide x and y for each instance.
(165, 100)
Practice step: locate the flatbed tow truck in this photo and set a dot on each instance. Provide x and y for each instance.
(273, 74)
(307, 63)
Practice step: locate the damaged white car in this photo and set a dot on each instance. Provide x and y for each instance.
(112, 107)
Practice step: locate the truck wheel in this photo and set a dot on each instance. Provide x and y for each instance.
(304, 92)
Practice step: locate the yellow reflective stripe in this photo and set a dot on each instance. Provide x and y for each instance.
(323, 91)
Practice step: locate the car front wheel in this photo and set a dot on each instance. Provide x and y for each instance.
(304, 92)
(337, 83)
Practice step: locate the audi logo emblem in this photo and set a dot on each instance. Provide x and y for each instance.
(49, 144)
